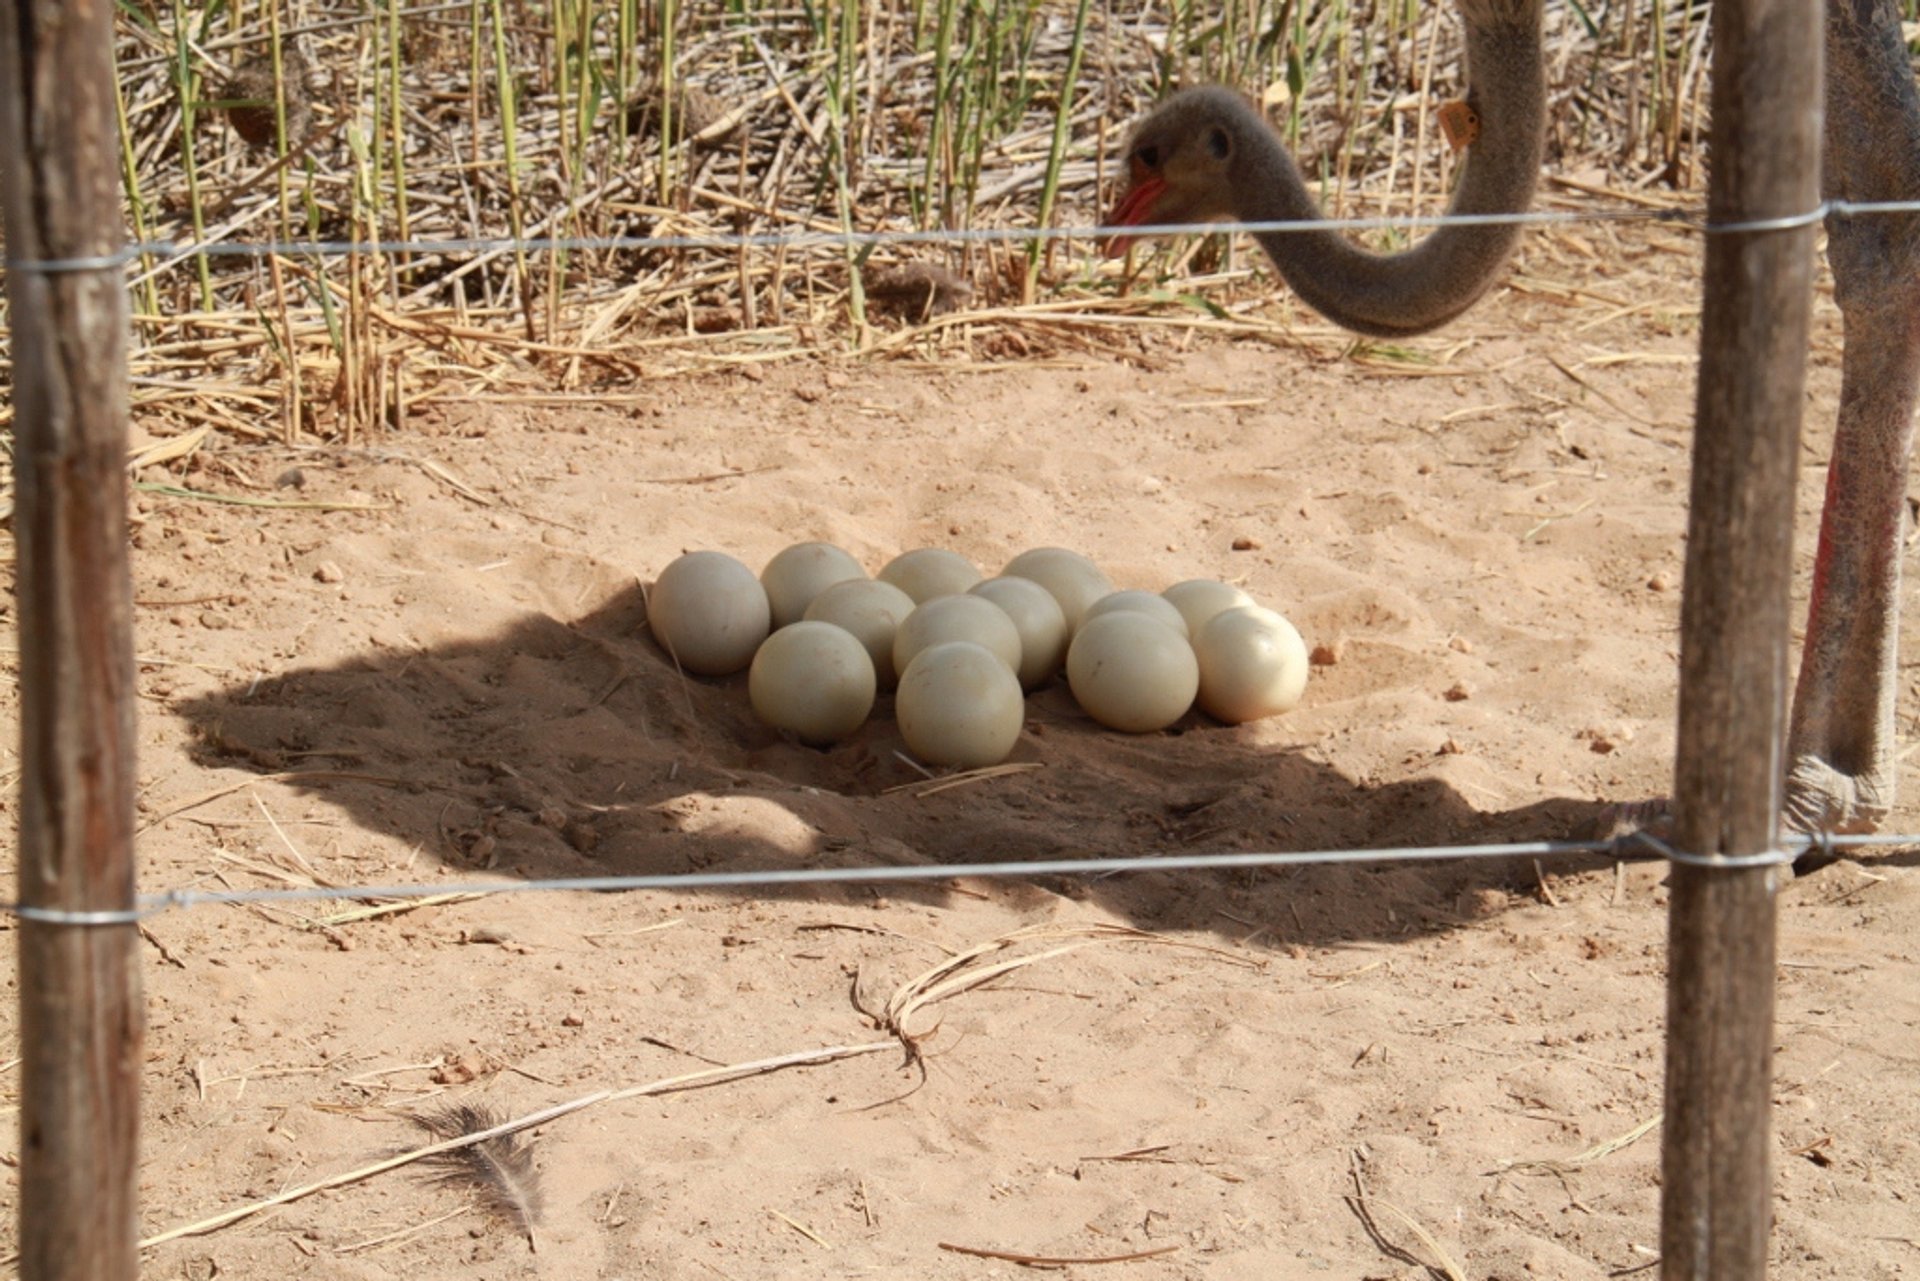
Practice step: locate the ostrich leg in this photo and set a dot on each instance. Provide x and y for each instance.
(1840, 771)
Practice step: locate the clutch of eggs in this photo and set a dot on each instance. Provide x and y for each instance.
(822, 639)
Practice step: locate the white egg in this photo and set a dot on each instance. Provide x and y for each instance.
(928, 572)
(709, 612)
(872, 611)
(1199, 599)
(1037, 617)
(1075, 581)
(1252, 664)
(959, 705)
(1148, 603)
(814, 679)
(1132, 672)
(957, 618)
(801, 572)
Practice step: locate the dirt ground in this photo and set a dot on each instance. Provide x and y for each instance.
(1483, 531)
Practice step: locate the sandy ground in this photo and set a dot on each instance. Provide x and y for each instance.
(1483, 530)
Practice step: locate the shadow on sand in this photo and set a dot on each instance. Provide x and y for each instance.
(566, 750)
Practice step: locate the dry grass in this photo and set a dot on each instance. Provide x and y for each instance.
(334, 122)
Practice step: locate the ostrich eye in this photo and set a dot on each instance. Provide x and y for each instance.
(1218, 144)
(1148, 155)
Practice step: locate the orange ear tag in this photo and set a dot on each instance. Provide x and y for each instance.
(1460, 123)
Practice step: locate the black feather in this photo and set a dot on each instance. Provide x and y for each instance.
(500, 1170)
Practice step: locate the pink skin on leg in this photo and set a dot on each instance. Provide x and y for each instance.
(1840, 746)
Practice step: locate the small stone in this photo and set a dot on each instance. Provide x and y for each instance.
(328, 572)
(573, 1020)
(214, 622)
(1452, 747)
(1327, 654)
(1660, 582)
(1244, 543)
(460, 1071)
(1458, 692)
(1460, 645)
(291, 478)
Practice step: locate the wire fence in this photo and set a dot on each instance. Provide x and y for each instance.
(1628, 845)
(1635, 844)
(1692, 219)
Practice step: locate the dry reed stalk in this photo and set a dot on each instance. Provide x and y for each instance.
(983, 774)
(1580, 1160)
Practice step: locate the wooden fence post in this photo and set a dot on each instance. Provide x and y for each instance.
(1716, 1181)
(80, 1013)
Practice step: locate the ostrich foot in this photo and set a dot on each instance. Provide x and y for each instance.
(1822, 799)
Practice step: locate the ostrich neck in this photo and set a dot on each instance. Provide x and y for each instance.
(1391, 295)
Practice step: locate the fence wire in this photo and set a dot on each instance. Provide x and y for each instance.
(1692, 219)
(1630, 845)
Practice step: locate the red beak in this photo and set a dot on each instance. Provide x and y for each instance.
(1134, 210)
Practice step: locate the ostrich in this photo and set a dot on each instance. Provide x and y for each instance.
(1207, 153)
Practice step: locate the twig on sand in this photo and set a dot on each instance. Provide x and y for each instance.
(1361, 1202)
(1056, 1261)
(1568, 1165)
